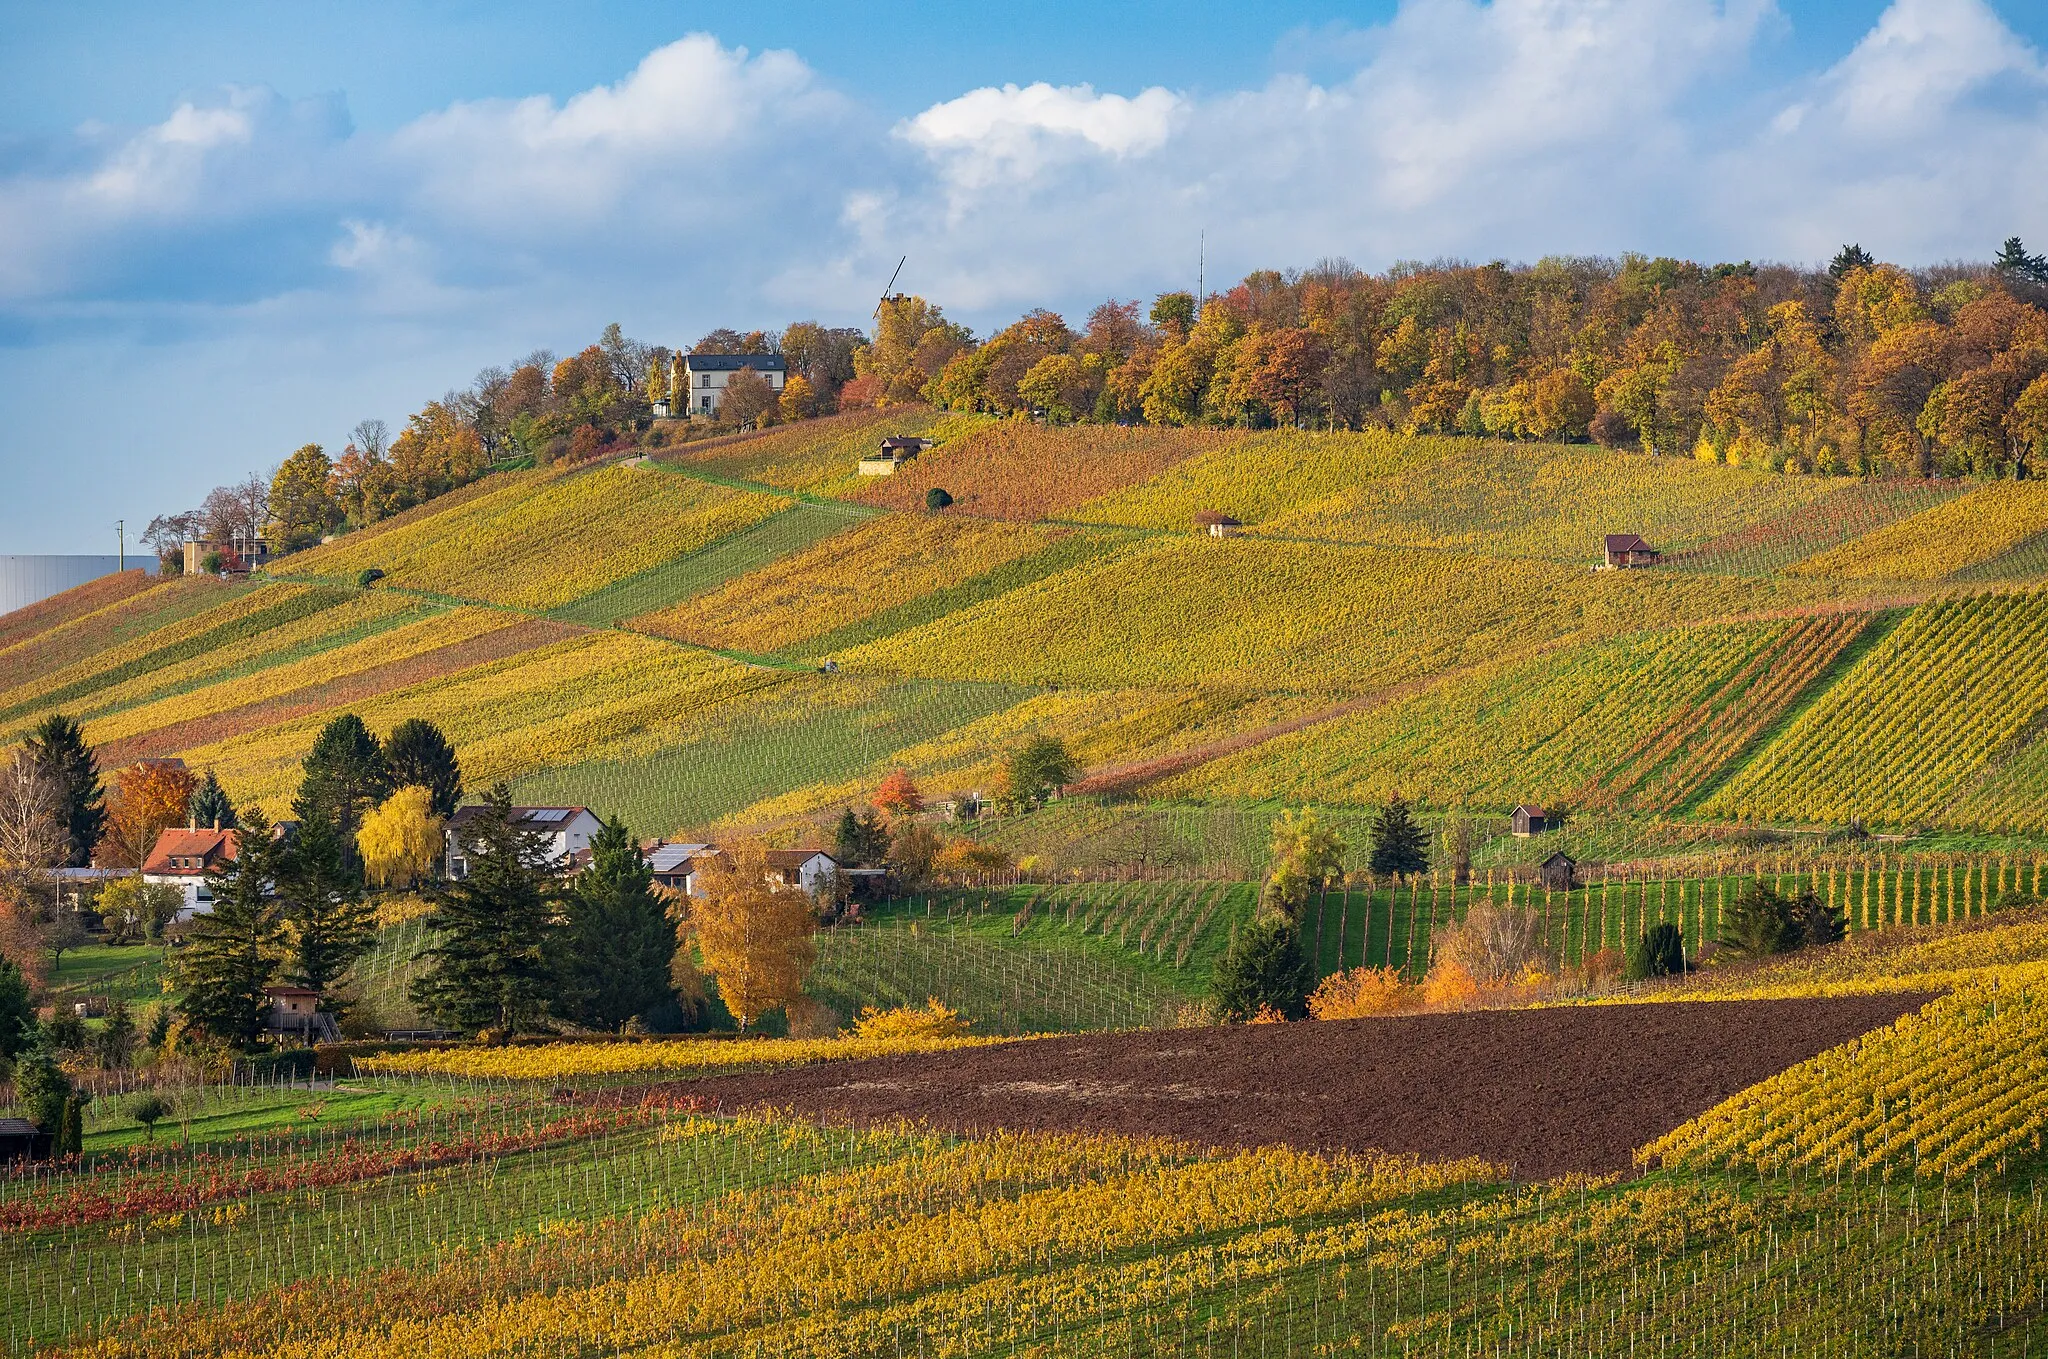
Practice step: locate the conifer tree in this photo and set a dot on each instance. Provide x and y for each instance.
(614, 950)
(417, 754)
(323, 903)
(1263, 968)
(233, 951)
(41, 1089)
(17, 1012)
(489, 966)
(58, 745)
(345, 775)
(860, 842)
(211, 809)
(1398, 844)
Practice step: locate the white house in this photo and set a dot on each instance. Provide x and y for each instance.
(697, 382)
(567, 832)
(182, 859)
(677, 867)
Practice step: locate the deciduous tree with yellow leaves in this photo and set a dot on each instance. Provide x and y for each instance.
(755, 935)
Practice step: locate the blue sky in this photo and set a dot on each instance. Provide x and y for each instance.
(229, 229)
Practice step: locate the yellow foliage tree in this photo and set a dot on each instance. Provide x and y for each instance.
(401, 838)
(755, 936)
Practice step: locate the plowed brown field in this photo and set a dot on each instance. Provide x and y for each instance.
(1543, 1091)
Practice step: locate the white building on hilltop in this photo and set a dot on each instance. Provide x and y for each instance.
(697, 382)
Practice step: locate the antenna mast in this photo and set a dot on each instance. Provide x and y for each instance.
(876, 314)
(121, 536)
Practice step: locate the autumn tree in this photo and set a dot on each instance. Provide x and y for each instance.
(150, 796)
(400, 840)
(302, 502)
(1040, 768)
(32, 839)
(748, 399)
(58, 745)
(417, 754)
(755, 936)
(489, 966)
(898, 795)
(1307, 857)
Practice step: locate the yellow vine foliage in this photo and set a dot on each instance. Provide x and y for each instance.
(1974, 527)
(547, 538)
(886, 561)
(1958, 1089)
(933, 1019)
(678, 1057)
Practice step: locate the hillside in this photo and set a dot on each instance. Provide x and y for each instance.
(1409, 615)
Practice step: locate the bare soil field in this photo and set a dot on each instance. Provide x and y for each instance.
(1542, 1091)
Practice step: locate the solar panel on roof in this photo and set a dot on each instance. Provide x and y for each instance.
(551, 814)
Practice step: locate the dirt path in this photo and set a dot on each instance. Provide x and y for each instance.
(1544, 1091)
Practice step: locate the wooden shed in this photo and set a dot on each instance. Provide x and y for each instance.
(1559, 872)
(1527, 820)
(1628, 549)
(21, 1140)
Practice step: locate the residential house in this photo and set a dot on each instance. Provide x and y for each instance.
(182, 859)
(670, 864)
(296, 1010)
(1558, 872)
(566, 831)
(813, 870)
(240, 552)
(1628, 549)
(1527, 820)
(697, 382)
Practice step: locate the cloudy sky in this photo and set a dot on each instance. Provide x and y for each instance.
(229, 229)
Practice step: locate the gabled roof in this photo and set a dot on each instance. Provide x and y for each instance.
(797, 858)
(728, 363)
(1627, 542)
(1558, 858)
(1527, 807)
(210, 847)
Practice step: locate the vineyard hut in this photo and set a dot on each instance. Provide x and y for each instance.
(1559, 872)
(21, 1140)
(296, 1010)
(1527, 820)
(896, 450)
(1216, 523)
(1625, 550)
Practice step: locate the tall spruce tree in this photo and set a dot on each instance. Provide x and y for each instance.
(345, 775)
(211, 809)
(17, 1011)
(1398, 844)
(232, 952)
(613, 952)
(418, 755)
(58, 745)
(1263, 968)
(323, 902)
(489, 966)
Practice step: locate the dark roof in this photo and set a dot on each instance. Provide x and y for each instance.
(726, 363)
(525, 818)
(1558, 858)
(1627, 542)
(18, 1127)
(1206, 517)
(909, 441)
(1528, 807)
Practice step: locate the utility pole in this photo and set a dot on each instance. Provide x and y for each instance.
(121, 537)
(1201, 271)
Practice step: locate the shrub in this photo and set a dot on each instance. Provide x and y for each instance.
(1658, 952)
(1814, 922)
(1449, 986)
(1493, 944)
(213, 563)
(933, 1019)
(149, 1109)
(367, 577)
(937, 499)
(1263, 968)
(1360, 992)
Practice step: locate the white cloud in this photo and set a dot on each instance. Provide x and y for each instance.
(1921, 57)
(1012, 133)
